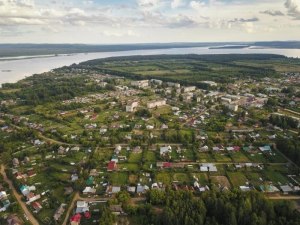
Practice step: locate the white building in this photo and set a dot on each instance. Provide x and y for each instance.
(232, 107)
(158, 103)
(189, 89)
(171, 84)
(140, 83)
(155, 81)
(131, 106)
(165, 150)
(82, 206)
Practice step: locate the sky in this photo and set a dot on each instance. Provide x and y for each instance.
(148, 21)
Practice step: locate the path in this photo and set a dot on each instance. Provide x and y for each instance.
(71, 206)
(18, 197)
(40, 135)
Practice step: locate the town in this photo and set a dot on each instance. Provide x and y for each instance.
(65, 159)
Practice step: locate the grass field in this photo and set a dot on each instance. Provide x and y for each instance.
(237, 178)
(118, 178)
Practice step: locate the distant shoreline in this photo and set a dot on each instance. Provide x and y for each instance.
(7, 51)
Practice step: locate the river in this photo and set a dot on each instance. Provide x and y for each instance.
(17, 68)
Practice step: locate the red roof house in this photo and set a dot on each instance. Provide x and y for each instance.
(112, 165)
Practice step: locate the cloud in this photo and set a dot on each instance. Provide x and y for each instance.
(148, 3)
(176, 3)
(128, 33)
(243, 20)
(25, 3)
(272, 12)
(293, 7)
(197, 5)
(249, 27)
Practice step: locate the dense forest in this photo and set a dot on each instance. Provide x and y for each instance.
(290, 148)
(188, 69)
(217, 208)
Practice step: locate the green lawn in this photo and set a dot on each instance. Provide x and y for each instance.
(182, 178)
(135, 157)
(237, 178)
(118, 178)
(163, 177)
(239, 157)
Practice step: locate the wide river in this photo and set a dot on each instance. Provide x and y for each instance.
(17, 68)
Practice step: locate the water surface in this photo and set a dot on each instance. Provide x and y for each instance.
(16, 68)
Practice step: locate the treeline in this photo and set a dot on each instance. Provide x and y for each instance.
(290, 148)
(199, 67)
(284, 122)
(42, 89)
(211, 57)
(218, 208)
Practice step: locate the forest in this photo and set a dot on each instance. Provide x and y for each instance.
(216, 208)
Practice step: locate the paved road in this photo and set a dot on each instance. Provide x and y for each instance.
(18, 197)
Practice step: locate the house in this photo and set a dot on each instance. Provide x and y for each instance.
(140, 83)
(75, 220)
(265, 148)
(31, 197)
(26, 159)
(157, 103)
(89, 190)
(208, 167)
(286, 189)
(59, 212)
(74, 177)
(165, 150)
(164, 126)
(232, 107)
(137, 149)
(82, 206)
(131, 189)
(24, 190)
(15, 162)
(111, 166)
(203, 148)
(171, 84)
(245, 188)
(189, 89)
(14, 220)
(31, 173)
(157, 82)
(76, 148)
(149, 127)
(103, 130)
(37, 206)
(131, 106)
(90, 181)
(113, 189)
(140, 189)
(61, 150)
(94, 173)
(116, 210)
(118, 149)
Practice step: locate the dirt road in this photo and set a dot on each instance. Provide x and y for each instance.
(18, 197)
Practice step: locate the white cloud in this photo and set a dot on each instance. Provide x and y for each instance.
(129, 33)
(249, 27)
(293, 7)
(197, 5)
(176, 3)
(148, 3)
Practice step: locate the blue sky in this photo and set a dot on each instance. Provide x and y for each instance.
(141, 21)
